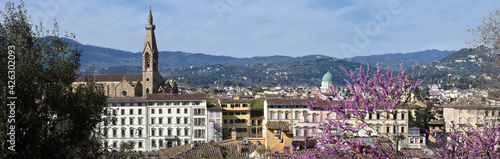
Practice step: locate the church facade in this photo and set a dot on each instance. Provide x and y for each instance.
(136, 85)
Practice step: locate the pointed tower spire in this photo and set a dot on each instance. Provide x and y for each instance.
(150, 17)
(151, 78)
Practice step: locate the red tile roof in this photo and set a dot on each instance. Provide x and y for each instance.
(234, 101)
(110, 77)
(279, 125)
(161, 96)
(126, 100)
(463, 104)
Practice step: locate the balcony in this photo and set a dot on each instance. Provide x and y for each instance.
(199, 124)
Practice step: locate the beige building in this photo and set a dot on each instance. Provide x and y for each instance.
(136, 85)
(469, 112)
(304, 123)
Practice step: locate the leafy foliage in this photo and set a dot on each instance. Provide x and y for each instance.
(53, 119)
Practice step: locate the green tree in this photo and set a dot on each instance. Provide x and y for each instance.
(53, 119)
(257, 89)
(257, 103)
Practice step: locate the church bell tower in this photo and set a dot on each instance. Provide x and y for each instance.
(151, 78)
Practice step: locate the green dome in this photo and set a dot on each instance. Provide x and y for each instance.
(328, 77)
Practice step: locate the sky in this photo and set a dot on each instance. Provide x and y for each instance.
(247, 28)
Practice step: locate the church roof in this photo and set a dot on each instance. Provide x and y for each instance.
(328, 77)
(110, 77)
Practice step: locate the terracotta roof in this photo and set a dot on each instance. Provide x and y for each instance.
(222, 150)
(279, 125)
(286, 101)
(234, 101)
(161, 96)
(463, 104)
(214, 107)
(172, 152)
(110, 77)
(126, 100)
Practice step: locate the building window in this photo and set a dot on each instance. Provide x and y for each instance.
(185, 103)
(115, 144)
(124, 93)
(402, 116)
(277, 134)
(114, 132)
(178, 120)
(123, 121)
(387, 129)
(152, 120)
(160, 111)
(140, 144)
(178, 132)
(297, 132)
(139, 121)
(169, 132)
(279, 115)
(139, 111)
(186, 120)
(314, 117)
(152, 132)
(160, 120)
(402, 129)
(123, 133)
(217, 114)
(131, 111)
(225, 121)
(123, 111)
(139, 132)
(306, 133)
(286, 115)
(271, 115)
(131, 121)
(160, 132)
(297, 115)
(152, 111)
(131, 132)
(186, 132)
(169, 111)
(185, 110)
(169, 120)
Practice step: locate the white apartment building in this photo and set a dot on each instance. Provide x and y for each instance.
(157, 121)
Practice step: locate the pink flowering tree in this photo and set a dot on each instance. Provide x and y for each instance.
(470, 142)
(382, 94)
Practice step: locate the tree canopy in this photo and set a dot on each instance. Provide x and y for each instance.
(49, 118)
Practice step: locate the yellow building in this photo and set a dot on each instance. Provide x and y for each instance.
(235, 113)
(257, 117)
(279, 137)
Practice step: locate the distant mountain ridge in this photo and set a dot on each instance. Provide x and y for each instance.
(418, 58)
(107, 60)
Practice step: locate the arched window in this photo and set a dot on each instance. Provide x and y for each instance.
(108, 91)
(124, 93)
(146, 58)
(147, 90)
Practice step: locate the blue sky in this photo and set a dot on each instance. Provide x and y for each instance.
(246, 28)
